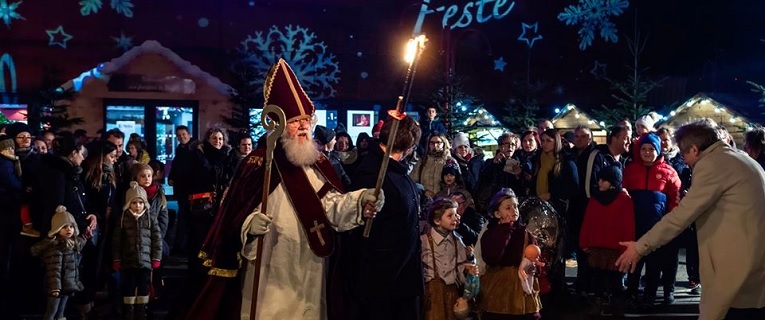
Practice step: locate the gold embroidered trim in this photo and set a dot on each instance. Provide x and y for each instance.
(225, 273)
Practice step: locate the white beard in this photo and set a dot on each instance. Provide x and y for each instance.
(302, 153)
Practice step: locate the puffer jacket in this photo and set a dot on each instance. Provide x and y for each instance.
(159, 212)
(62, 273)
(655, 191)
(136, 242)
(427, 171)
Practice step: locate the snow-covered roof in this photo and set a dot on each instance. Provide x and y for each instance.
(104, 70)
(580, 118)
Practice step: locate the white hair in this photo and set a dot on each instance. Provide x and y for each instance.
(300, 153)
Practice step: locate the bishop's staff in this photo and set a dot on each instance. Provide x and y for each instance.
(413, 52)
(275, 127)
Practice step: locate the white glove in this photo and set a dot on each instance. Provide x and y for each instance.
(259, 224)
(368, 195)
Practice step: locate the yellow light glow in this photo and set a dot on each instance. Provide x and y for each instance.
(418, 43)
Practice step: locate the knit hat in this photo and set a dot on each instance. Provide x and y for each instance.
(135, 191)
(60, 219)
(323, 134)
(6, 142)
(502, 195)
(17, 127)
(648, 120)
(568, 136)
(613, 174)
(653, 139)
(460, 139)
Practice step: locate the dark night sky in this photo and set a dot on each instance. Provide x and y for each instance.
(701, 45)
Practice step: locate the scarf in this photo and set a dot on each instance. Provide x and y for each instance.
(151, 191)
(137, 215)
(546, 164)
(606, 197)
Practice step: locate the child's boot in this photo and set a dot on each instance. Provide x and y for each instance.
(128, 308)
(29, 230)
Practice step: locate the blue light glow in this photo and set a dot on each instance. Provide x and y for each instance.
(533, 32)
(123, 42)
(7, 62)
(8, 12)
(599, 70)
(499, 64)
(364, 75)
(593, 16)
(123, 7)
(456, 17)
(203, 22)
(310, 59)
(58, 33)
(90, 6)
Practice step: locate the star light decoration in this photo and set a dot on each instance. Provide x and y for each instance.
(123, 42)
(8, 12)
(499, 64)
(599, 70)
(56, 33)
(533, 36)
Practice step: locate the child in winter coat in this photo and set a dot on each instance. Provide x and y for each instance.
(136, 250)
(444, 259)
(499, 253)
(144, 175)
(608, 220)
(451, 182)
(60, 252)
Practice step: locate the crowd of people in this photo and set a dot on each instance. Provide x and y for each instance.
(81, 216)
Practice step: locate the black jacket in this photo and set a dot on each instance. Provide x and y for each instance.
(211, 169)
(471, 223)
(10, 191)
(388, 263)
(180, 169)
(60, 183)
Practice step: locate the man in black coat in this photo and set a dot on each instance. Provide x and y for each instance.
(384, 271)
(178, 171)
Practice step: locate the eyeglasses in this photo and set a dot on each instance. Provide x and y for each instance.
(24, 137)
(436, 142)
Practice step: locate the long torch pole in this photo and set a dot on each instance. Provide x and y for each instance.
(413, 53)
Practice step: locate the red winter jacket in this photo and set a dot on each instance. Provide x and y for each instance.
(605, 226)
(655, 191)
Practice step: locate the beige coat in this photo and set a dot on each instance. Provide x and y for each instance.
(727, 202)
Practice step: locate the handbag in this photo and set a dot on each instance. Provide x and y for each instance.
(201, 205)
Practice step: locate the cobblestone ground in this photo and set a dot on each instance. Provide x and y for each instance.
(685, 306)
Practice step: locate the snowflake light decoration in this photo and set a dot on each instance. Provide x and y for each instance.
(8, 12)
(315, 67)
(90, 6)
(123, 42)
(592, 16)
(123, 7)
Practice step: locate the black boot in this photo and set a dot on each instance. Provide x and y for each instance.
(128, 311)
(140, 311)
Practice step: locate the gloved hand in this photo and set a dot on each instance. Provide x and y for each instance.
(154, 264)
(116, 265)
(368, 196)
(259, 223)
